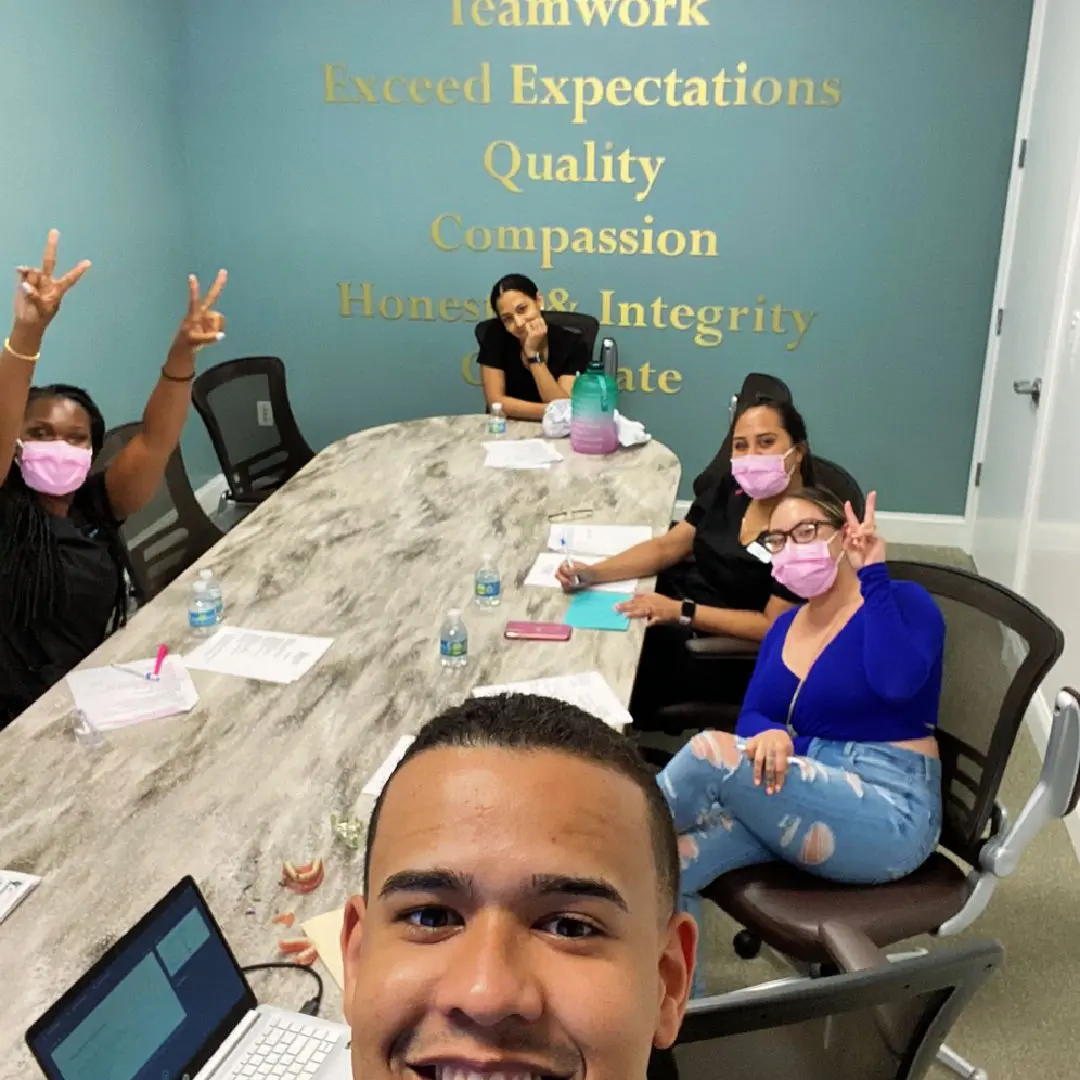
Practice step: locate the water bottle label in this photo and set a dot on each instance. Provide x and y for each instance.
(497, 426)
(199, 620)
(488, 588)
(452, 648)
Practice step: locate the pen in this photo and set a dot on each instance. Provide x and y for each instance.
(162, 652)
(575, 580)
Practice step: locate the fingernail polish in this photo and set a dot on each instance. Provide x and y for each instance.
(26, 287)
(221, 335)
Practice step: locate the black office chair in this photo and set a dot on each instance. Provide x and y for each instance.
(575, 321)
(167, 535)
(883, 1021)
(998, 650)
(244, 404)
(756, 387)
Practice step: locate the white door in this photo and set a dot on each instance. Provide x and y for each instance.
(1033, 295)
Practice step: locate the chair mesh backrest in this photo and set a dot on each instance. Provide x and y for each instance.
(998, 650)
(756, 387)
(588, 326)
(167, 535)
(245, 406)
(840, 482)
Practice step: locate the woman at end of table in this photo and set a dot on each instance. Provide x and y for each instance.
(61, 571)
(525, 364)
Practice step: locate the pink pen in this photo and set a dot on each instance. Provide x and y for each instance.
(162, 652)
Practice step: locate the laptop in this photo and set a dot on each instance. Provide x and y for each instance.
(168, 1001)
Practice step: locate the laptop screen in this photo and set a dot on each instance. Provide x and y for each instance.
(155, 1007)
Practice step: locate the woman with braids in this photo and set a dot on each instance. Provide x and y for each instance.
(61, 576)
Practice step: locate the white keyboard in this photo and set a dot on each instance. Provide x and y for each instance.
(285, 1050)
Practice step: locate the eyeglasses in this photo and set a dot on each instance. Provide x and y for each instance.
(571, 515)
(805, 532)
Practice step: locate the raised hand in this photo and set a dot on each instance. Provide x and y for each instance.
(862, 543)
(201, 325)
(536, 333)
(39, 293)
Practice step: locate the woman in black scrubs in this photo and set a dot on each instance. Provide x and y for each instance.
(728, 587)
(524, 363)
(61, 575)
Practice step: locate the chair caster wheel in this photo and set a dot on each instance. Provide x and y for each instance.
(746, 945)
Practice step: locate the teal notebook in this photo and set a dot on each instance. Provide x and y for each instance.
(596, 611)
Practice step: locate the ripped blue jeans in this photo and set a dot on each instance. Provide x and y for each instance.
(851, 812)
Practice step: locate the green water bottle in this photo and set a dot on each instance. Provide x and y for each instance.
(592, 405)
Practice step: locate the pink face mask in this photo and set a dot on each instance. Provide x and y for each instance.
(53, 466)
(808, 570)
(761, 476)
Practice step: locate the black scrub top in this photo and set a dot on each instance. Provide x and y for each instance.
(725, 572)
(32, 659)
(567, 355)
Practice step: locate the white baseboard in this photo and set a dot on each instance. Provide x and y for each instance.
(936, 530)
(210, 494)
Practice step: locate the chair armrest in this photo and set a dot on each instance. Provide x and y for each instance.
(851, 949)
(718, 647)
(1055, 794)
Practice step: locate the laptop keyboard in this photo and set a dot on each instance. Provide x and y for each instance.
(285, 1049)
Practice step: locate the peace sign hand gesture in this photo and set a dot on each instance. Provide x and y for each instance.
(862, 543)
(201, 325)
(37, 299)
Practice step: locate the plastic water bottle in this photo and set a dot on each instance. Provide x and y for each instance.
(453, 641)
(213, 590)
(488, 583)
(592, 407)
(497, 420)
(202, 611)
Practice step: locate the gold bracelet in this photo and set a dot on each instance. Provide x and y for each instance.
(18, 355)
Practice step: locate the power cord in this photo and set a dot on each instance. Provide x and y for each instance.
(312, 1005)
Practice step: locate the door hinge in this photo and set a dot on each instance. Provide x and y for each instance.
(1021, 157)
(999, 320)
(978, 474)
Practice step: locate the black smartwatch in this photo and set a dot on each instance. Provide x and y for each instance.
(536, 358)
(686, 615)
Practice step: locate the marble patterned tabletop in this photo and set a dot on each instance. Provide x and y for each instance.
(370, 544)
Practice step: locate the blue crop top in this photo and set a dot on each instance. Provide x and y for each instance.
(878, 680)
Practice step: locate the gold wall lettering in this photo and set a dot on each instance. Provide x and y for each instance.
(634, 14)
(450, 233)
(341, 88)
(505, 162)
(629, 380)
(580, 93)
(709, 322)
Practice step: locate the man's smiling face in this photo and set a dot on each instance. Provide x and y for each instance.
(515, 925)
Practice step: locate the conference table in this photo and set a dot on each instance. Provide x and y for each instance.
(370, 544)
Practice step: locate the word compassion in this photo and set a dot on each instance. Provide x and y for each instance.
(634, 14)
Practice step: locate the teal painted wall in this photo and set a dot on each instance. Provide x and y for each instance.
(880, 213)
(90, 142)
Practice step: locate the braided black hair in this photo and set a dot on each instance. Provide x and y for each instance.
(29, 558)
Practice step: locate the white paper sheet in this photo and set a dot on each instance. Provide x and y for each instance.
(542, 574)
(324, 932)
(603, 540)
(589, 691)
(121, 695)
(14, 888)
(520, 454)
(378, 778)
(265, 655)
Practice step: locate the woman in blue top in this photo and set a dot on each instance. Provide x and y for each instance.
(834, 765)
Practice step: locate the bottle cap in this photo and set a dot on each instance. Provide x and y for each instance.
(454, 613)
(497, 407)
(206, 573)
